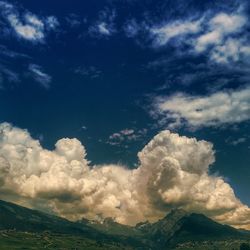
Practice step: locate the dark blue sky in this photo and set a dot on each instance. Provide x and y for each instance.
(101, 71)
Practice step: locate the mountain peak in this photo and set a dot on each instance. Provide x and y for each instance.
(176, 213)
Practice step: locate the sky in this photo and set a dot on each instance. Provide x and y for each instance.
(111, 75)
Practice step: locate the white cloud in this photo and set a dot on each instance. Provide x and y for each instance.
(178, 28)
(52, 22)
(232, 50)
(222, 37)
(38, 75)
(104, 29)
(173, 173)
(126, 135)
(223, 107)
(219, 28)
(237, 141)
(105, 25)
(27, 31)
(28, 26)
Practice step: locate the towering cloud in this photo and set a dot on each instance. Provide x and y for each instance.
(173, 173)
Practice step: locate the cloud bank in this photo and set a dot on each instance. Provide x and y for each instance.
(173, 173)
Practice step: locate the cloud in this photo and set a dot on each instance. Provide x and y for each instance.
(237, 141)
(168, 31)
(232, 50)
(38, 75)
(222, 37)
(8, 71)
(219, 27)
(4, 51)
(27, 26)
(31, 31)
(9, 74)
(125, 136)
(73, 20)
(173, 173)
(89, 71)
(221, 108)
(104, 29)
(52, 22)
(131, 28)
(105, 26)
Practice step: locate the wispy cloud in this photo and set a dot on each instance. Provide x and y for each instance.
(27, 25)
(105, 25)
(220, 108)
(88, 71)
(125, 136)
(219, 27)
(52, 22)
(131, 28)
(38, 75)
(73, 20)
(236, 142)
(4, 51)
(164, 33)
(222, 36)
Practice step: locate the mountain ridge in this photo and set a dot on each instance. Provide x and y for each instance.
(177, 227)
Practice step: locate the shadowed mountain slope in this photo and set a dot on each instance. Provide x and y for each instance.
(175, 228)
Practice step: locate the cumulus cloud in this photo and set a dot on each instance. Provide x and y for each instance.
(173, 173)
(39, 76)
(223, 107)
(27, 26)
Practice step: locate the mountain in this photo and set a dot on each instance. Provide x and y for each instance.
(16, 219)
(177, 230)
(180, 226)
(20, 218)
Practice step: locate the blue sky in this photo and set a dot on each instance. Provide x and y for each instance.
(115, 73)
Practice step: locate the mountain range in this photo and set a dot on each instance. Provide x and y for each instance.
(24, 228)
